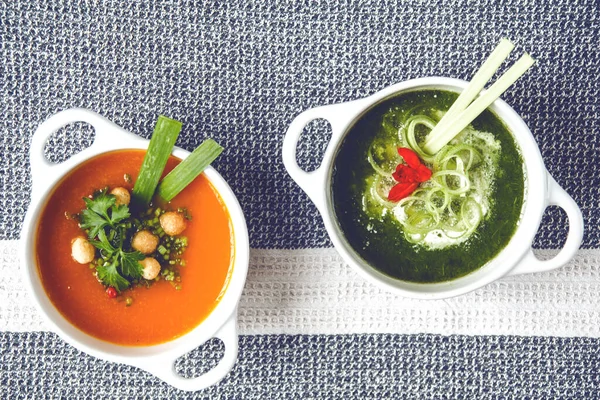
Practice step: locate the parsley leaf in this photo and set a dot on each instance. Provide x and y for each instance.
(92, 221)
(107, 226)
(101, 203)
(103, 244)
(100, 212)
(119, 213)
(110, 276)
(130, 265)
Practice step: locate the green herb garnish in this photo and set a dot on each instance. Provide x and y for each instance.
(107, 227)
(189, 169)
(102, 212)
(111, 227)
(161, 145)
(470, 104)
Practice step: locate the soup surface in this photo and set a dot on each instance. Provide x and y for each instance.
(159, 313)
(376, 230)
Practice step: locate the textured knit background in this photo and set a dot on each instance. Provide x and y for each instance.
(239, 72)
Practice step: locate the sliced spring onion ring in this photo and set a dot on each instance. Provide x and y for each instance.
(376, 167)
(441, 178)
(467, 155)
(409, 135)
(376, 193)
(430, 196)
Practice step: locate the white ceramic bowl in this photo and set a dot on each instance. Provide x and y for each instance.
(517, 257)
(158, 359)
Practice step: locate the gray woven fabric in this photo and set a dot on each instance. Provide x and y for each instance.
(323, 367)
(239, 72)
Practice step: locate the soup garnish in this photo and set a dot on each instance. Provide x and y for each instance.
(161, 145)
(131, 240)
(470, 102)
(441, 200)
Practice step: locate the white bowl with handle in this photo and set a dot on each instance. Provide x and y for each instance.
(541, 190)
(158, 359)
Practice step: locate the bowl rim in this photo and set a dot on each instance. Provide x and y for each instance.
(144, 357)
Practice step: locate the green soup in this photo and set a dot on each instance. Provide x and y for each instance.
(454, 223)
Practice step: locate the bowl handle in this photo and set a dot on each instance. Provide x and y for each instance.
(108, 137)
(559, 197)
(313, 183)
(165, 367)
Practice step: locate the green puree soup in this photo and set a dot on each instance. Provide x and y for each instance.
(453, 223)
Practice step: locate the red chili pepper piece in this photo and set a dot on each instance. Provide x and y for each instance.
(111, 292)
(402, 190)
(411, 158)
(405, 174)
(423, 173)
(408, 175)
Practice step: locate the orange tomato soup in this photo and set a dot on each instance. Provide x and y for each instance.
(159, 313)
